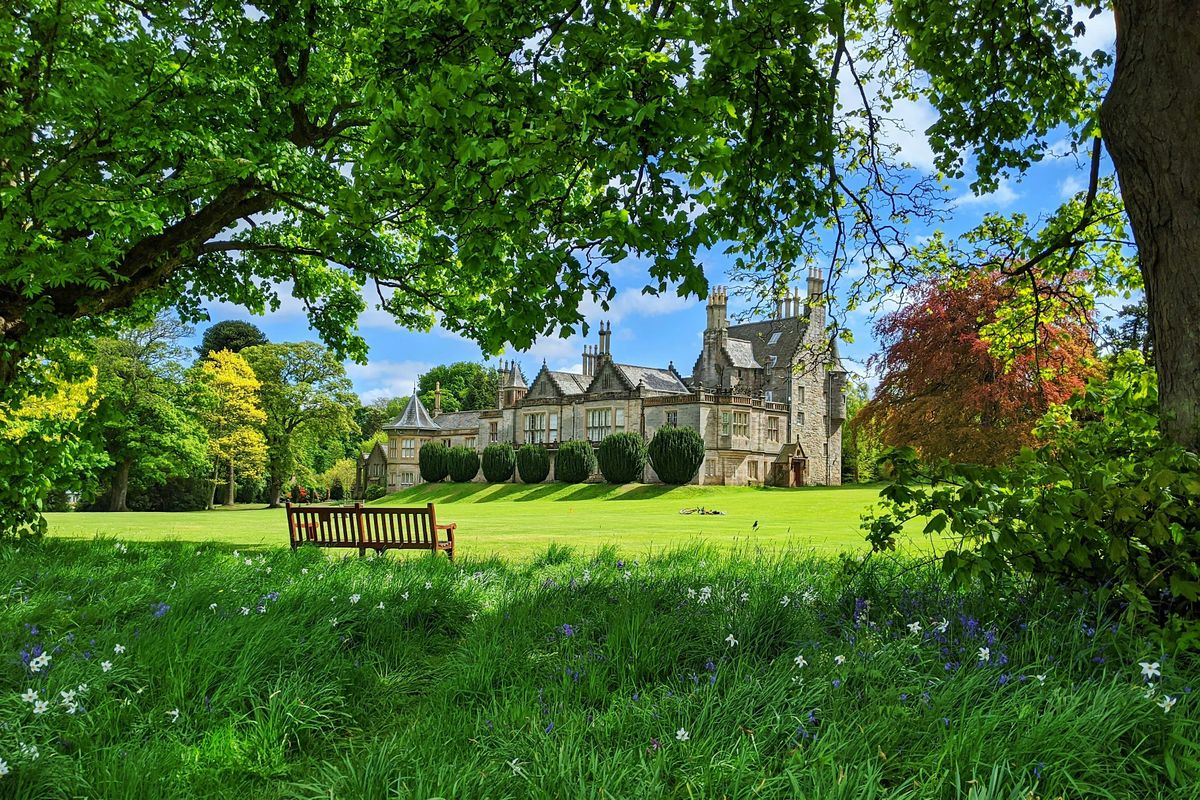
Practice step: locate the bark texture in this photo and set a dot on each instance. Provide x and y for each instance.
(120, 486)
(1150, 122)
(230, 487)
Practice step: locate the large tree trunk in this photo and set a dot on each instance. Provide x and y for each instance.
(274, 486)
(120, 486)
(1149, 122)
(230, 487)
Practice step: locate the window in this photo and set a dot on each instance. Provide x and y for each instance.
(725, 423)
(772, 361)
(493, 432)
(710, 467)
(553, 428)
(407, 479)
(772, 429)
(800, 419)
(774, 338)
(770, 396)
(618, 420)
(407, 448)
(800, 394)
(535, 428)
(741, 423)
(599, 423)
(753, 470)
(469, 442)
(672, 419)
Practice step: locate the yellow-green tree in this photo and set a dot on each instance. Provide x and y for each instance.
(234, 417)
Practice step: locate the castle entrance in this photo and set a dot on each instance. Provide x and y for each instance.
(799, 472)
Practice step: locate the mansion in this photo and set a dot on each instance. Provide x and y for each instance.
(767, 397)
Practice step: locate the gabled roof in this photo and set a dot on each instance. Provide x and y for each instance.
(741, 354)
(515, 378)
(569, 382)
(414, 418)
(759, 336)
(653, 378)
(456, 420)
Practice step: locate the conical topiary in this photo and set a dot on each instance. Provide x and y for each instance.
(622, 457)
(434, 461)
(499, 461)
(676, 454)
(533, 463)
(576, 461)
(464, 464)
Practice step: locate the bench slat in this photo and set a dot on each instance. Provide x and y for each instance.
(369, 528)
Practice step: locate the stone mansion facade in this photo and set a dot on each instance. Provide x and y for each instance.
(768, 398)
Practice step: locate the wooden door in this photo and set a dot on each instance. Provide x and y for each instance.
(799, 472)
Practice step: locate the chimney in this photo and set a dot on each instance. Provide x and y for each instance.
(437, 398)
(587, 367)
(816, 286)
(779, 308)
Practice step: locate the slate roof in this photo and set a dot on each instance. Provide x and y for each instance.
(741, 353)
(654, 379)
(515, 378)
(758, 336)
(570, 382)
(457, 419)
(414, 418)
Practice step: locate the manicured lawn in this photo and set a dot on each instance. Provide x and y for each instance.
(516, 521)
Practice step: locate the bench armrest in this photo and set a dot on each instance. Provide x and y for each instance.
(449, 527)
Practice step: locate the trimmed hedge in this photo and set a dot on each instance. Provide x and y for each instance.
(533, 463)
(499, 461)
(576, 461)
(375, 491)
(464, 464)
(336, 490)
(676, 454)
(434, 460)
(622, 457)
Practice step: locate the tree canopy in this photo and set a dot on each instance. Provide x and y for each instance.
(233, 335)
(466, 386)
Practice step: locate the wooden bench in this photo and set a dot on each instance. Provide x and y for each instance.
(364, 528)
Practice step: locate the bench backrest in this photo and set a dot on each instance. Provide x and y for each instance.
(363, 527)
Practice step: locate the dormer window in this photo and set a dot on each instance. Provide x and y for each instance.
(772, 360)
(774, 338)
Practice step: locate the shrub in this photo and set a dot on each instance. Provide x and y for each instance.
(676, 454)
(1100, 506)
(336, 490)
(622, 457)
(576, 461)
(499, 461)
(434, 460)
(296, 494)
(533, 463)
(464, 464)
(57, 501)
(375, 491)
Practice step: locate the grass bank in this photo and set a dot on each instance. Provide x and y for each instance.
(177, 670)
(516, 521)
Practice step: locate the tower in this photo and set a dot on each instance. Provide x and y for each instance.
(511, 387)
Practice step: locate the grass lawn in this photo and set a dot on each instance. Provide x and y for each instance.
(516, 521)
(172, 670)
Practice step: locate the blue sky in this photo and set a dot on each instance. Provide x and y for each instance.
(653, 331)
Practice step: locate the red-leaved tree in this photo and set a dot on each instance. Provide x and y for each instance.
(944, 392)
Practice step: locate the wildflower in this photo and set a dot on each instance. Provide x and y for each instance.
(354, 598)
(118, 649)
(1150, 692)
(3, 767)
(249, 562)
(30, 695)
(404, 596)
(304, 570)
(682, 735)
(262, 609)
(41, 707)
(245, 611)
(785, 600)
(839, 660)
(380, 606)
(173, 714)
(732, 641)
(1150, 670)
(429, 584)
(72, 707)
(705, 593)
(942, 626)
(1166, 703)
(914, 627)
(39, 661)
(745, 597)
(655, 744)
(985, 654)
(82, 688)
(627, 575)
(800, 661)
(67, 696)
(515, 766)
(691, 593)
(236, 554)
(30, 751)
(1040, 678)
(567, 630)
(837, 682)
(212, 607)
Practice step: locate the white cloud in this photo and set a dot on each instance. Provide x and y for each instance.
(1004, 196)
(1071, 186)
(386, 379)
(1101, 34)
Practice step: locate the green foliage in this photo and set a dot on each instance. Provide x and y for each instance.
(463, 463)
(575, 462)
(466, 386)
(861, 444)
(676, 454)
(533, 463)
(336, 490)
(234, 335)
(1105, 504)
(549, 652)
(499, 461)
(375, 491)
(622, 457)
(434, 461)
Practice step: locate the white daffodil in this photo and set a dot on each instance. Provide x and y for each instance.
(236, 554)
(354, 598)
(785, 600)
(1040, 678)
(82, 688)
(682, 735)
(800, 661)
(914, 628)
(173, 714)
(71, 707)
(380, 606)
(732, 641)
(985, 654)
(67, 696)
(429, 584)
(37, 662)
(839, 660)
(118, 649)
(212, 607)
(245, 611)
(249, 562)
(41, 707)
(745, 597)
(516, 766)
(404, 596)
(1166, 703)
(1150, 670)
(30, 695)
(3, 767)
(942, 626)
(691, 593)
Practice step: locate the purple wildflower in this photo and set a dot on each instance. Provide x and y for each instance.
(837, 682)
(550, 727)
(655, 744)
(567, 630)
(161, 609)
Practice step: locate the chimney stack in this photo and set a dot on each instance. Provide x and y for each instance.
(605, 338)
(816, 286)
(437, 398)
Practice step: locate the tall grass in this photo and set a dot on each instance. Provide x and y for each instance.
(568, 676)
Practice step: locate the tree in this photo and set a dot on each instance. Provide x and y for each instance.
(861, 445)
(499, 461)
(533, 463)
(575, 462)
(676, 454)
(466, 386)
(147, 420)
(622, 457)
(233, 335)
(304, 388)
(1131, 332)
(233, 414)
(434, 461)
(463, 463)
(945, 391)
